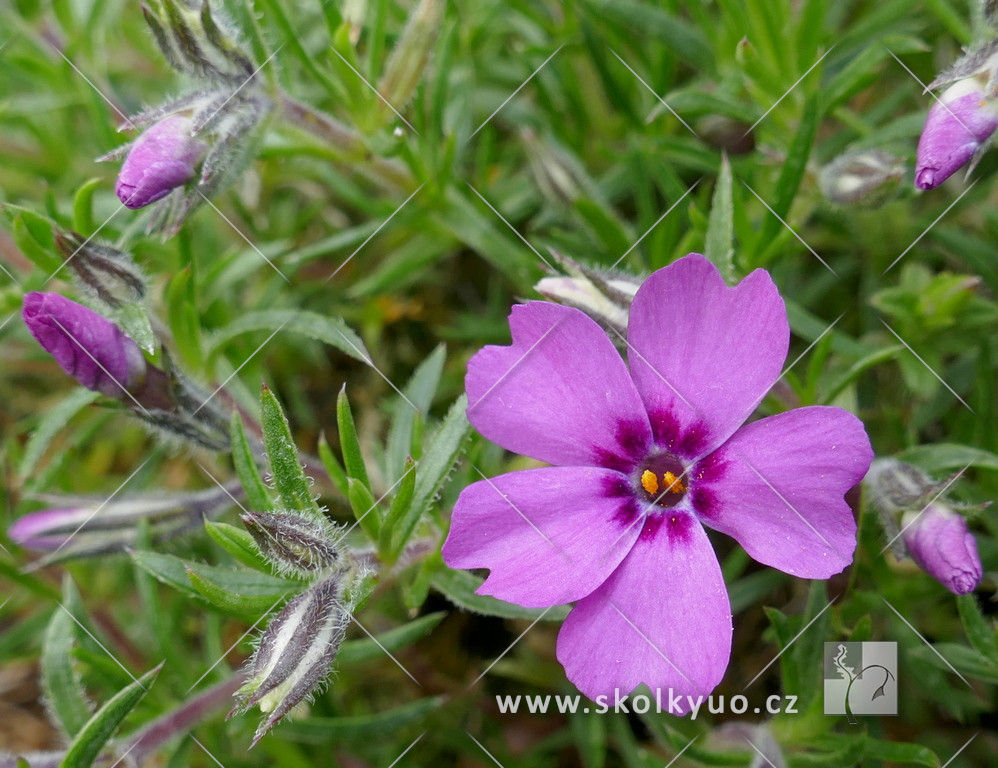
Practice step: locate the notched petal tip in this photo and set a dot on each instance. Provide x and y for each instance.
(558, 393)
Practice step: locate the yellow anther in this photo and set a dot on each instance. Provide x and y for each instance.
(672, 483)
(649, 482)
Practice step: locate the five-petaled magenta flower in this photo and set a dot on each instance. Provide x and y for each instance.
(959, 123)
(87, 346)
(162, 158)
(645, 456)
(938, 540)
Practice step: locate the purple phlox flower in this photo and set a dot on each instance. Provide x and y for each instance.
(162, 158)
(87, 346)
(962, 119)
(645, 455)
(939, 542)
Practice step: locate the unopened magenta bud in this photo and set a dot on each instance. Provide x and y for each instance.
(163, 158)
(87, 346)
(959, 123)
(939, 542)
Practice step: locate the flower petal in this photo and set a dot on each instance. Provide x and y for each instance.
(777, 486)
(703, 355)
(34, 524)
(161, 159)
(549, 536)
(662, 619)
(960, 121)
(561, 393)
(938, 540)
(86, 345)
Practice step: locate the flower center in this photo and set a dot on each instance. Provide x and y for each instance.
(662, 480)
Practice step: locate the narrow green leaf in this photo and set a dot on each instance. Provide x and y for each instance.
(589, 731)
(319, 730)
(899, 752)
(624, 741)
(782, 627)
(292, 39)
(810, 28)
(88, 743)
(401, 504)
(612, 235)
(406, 264)
(862, 631)
(611, 77)
(680, 741)
(720, 240)
(333, 467)
(459, 587)
(471, 226)
(60, 679)
(410, 56)
(166, 569)
(419, 392)
(353, 458)
(329, 330)
(791, 174)
(807, 650)
(752, 588)
(83, 208)
(173, 571)
(365, 508)
(832, 751)
(11, 572)
(34, 235)
(948, 456)
(133, 319)
(416, 589)
(365, 649)
(858, 368)
(858, 72)
(157, 621)
(244, 460)
(979, 631)
(678, 36)
(238, 543)
(289, 477)
(952, 19)
(967, 661)
(52, 422)
(438, 460)
(238, 591)
(811, 327)
(182, 314)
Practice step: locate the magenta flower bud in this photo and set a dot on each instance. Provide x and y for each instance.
(162, 158)
(35, 530)
(81, 526)
(87, 346)
(958, 124)
(938, 540)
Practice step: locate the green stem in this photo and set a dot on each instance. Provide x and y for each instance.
(345, 140)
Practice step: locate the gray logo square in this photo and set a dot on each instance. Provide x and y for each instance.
(861, 679)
